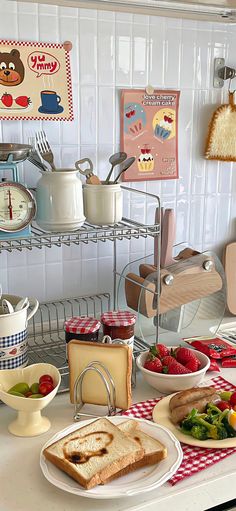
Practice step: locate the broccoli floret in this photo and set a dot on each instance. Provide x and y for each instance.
(221, 432)
(199, 432)
(188, 422)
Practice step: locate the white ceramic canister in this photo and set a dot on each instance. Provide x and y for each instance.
(16, 322)
(59, 200)
(103, 204)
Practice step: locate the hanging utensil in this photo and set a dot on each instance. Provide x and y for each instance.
(45, 149)
(125, 166)
(91, 178)
(115, 159)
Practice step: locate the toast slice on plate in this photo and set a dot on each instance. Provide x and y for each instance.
(94, 453)
(154, 451)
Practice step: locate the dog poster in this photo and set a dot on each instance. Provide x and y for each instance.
(35, 81)
(149, 131)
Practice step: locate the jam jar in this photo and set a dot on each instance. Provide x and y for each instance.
(83, 328)
(119, 325)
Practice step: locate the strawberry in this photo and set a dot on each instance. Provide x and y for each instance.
(23, 101)
(184, 355)
(159, 350)
(7, 99)
(192, 365)
(153, 364)
(171, 366)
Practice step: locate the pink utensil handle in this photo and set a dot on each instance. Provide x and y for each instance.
(168, 238)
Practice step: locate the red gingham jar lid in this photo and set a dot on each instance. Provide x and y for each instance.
(118, 318)
(82, 325)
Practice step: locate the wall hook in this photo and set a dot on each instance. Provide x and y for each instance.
(222, 73)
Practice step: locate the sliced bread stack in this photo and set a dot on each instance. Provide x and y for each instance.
(101, 451)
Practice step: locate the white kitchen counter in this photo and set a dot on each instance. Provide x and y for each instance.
(24, 488)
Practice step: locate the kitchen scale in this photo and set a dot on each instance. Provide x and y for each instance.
(17, 204)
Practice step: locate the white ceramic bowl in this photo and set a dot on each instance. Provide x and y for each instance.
(168, 383)
(29, 421)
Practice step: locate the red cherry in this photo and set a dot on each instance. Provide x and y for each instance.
(132, 113)
(233, 399)
(223, 405)
(46, 377)
(45, 388)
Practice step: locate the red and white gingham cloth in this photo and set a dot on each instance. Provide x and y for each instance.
(118, 318)
(81, 325)
(195, 459)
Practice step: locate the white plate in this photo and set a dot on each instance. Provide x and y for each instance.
(161, 416)
(140, 481)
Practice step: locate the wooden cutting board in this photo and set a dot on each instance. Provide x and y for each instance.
(229, 262)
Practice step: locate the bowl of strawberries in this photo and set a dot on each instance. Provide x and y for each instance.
(171, 369)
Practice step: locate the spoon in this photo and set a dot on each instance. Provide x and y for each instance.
(115, 159)
(21, 304)
(7, 307)
(125, 167)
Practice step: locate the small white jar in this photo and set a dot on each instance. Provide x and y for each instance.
(103, 204)
(59, 200)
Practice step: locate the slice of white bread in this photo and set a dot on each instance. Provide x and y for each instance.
(117, 358)
(154, 451)
(93, 453)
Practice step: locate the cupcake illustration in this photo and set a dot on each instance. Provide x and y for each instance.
(134, 119)
(145, 160)
(164, 124)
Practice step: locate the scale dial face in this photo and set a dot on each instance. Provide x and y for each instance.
(17, 206)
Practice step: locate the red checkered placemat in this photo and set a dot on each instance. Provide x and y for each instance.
(195, 459)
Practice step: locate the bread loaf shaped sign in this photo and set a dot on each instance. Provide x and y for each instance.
(35, 81)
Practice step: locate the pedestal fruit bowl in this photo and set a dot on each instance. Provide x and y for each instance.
(29, 421)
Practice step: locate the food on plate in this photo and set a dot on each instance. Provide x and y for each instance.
(154, 451)
(203, 414)
(99, 452)
(39, 389)
(161, 359)
(189, 395)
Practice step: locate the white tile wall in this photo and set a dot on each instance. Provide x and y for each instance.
(112, 51)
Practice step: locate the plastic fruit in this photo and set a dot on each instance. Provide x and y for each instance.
(223, 405)
(35, 388)
(233, 399)
(46, 377)
(226, 395)
(15, 393)
(21, 387)
(45, 388)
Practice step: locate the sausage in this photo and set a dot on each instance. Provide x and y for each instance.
(179, 413)
(189, 395)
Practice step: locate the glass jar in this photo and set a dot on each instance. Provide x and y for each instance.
(83, 328)
(119, 325)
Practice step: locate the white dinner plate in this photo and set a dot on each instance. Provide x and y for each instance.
(140, 481)
(161, 415)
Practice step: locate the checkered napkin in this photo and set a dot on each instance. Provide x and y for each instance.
(195, 459)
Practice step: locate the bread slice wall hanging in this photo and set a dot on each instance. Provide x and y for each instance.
(221, 141)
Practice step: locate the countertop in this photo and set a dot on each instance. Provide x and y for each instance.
(23, 486)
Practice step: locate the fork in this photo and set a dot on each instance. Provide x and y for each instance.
(44, 148)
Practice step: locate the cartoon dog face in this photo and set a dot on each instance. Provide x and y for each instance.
(12, 70)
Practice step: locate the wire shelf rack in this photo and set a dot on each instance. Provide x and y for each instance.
(46, 337)
(126, 229)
